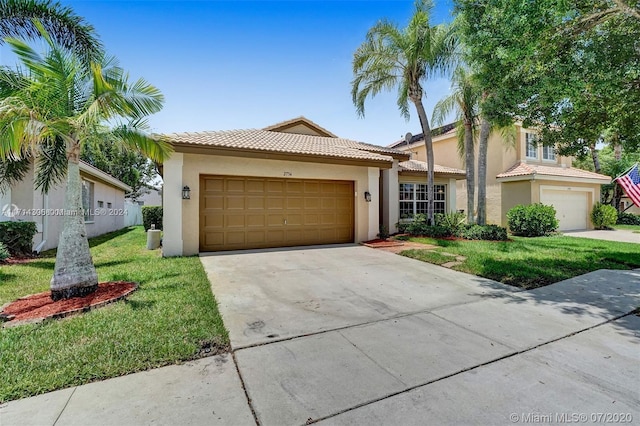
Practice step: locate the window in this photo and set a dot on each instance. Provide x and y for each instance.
(100, 204)
(413, 199)
(108, 205)
(87, 200)
(532, 145)
(548, 153)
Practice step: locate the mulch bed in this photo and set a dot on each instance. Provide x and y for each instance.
(17, 260)
(40, 306)
(378, 243)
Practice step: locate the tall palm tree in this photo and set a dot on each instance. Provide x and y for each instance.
(483, 146)
(49, 109)
(465, 100)
(64, 26)
(404, 58)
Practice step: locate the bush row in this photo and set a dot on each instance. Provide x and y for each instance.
(453, 225)
(17, 237)
(628, 219)
(4, 253)
(151, 215)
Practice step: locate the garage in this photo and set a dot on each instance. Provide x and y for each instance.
(242, 212)
(572, 207)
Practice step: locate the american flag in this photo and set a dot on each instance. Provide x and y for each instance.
(631, 184)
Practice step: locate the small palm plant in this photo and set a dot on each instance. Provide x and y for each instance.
(52, 106)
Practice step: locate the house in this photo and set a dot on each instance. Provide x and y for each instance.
(519, 171)
(152, 197)
(289, 184)
(102, 198)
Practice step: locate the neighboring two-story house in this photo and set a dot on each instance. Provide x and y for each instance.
(519, 171)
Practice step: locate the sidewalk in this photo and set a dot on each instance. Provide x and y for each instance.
(619, 235)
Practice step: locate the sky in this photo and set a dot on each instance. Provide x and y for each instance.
(225, 65)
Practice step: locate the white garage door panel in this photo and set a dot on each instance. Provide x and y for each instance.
(571, 207)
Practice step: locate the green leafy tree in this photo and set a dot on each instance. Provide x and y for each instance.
(464, 100)
(126, 165)
(49, 108)
(62, 24)
(569, 69)
(391, 57)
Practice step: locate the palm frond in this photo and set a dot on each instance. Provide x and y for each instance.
(65, 27)
(13, 171)
(134, 137)
(51, 164)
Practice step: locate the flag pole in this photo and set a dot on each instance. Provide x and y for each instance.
(625, 172)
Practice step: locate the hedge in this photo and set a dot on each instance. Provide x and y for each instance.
(17, 237)
(151, 215)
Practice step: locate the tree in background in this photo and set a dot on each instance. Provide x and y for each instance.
(49, 108)
(404, 59)
(464, 100)
(61, 23)
(126, 165)
(569, 69)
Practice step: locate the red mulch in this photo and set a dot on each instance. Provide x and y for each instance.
(17, 260)
(378, 243)
(40, 306)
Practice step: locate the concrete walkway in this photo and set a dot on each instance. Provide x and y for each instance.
(352, 335)
(619, 235)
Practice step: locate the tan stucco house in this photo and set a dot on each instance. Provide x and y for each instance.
(292, 183)
(103, 199)
(519, 171)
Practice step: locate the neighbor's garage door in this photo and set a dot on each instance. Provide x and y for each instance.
(249, 212)
(571, 207)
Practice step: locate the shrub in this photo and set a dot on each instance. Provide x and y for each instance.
(4, 253)
(603, 216)
(534, 220)
(384, 232)
(628, 219)
(455, 222)
(17, 237)
(151, 215)
(420, 226)
(486, 232)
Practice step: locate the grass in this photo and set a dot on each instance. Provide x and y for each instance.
(634, 228)
(169, 319)
(532, 262)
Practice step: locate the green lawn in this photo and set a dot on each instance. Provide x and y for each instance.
(533, 262)
(170, 318)
(634, 228)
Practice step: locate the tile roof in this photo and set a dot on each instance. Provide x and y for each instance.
(289, 143)
(301, 119)
(421, 166)
(438, 131)
(524, 169)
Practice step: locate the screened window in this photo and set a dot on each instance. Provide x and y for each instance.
(532, 145)
(87, 200)
(548, 153)
(413, 199)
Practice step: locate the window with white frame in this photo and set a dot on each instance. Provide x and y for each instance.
(87, 200)
(413, 199)
(532, 145)
(548, 153)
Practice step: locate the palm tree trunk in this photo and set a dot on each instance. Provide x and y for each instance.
(485, 128)
(470, 169)
(428, 142)
(74, 274)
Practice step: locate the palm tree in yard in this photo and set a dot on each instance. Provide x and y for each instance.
(465, 100)
(64, 26)
(391, 57)
(49, 108)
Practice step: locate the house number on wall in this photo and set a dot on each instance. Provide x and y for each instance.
(288, 174)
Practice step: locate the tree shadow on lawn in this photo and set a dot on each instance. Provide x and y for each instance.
(593, 298)
(101, 239)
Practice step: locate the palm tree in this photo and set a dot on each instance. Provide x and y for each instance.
(404, 58)
(483, 146)
(64, 26)
(465, 99)
(49, 109)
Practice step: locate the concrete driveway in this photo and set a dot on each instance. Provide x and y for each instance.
(619, 235)
(351, 335)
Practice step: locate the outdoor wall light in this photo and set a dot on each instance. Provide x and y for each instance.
(367, 196)
(186, 193)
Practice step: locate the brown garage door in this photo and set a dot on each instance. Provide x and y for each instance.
(249, 212)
